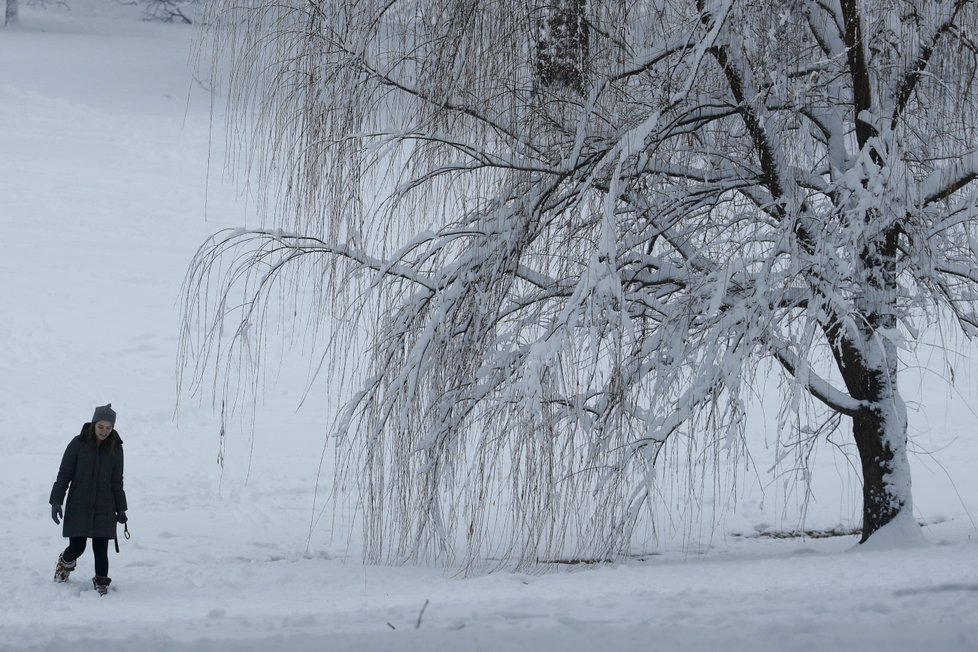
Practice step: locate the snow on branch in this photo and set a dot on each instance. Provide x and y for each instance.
(945, 23)
(565, 295)
(949, 179)
(820, 388)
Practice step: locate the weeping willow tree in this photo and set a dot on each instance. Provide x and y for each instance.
(570, 237)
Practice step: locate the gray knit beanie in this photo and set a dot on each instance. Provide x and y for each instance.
(104, 413)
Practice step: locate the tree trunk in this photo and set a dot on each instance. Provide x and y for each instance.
(11, 15)
(869, 369)
(879, 429)
(563, 44)
(883, 453)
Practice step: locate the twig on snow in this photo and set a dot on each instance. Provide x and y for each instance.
(417, 625)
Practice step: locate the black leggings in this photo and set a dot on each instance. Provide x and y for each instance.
(100, 548)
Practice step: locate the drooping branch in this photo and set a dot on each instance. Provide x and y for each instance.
(817, 386)
(598, 272)
(771, 175)
(911, 78)
(950, 179)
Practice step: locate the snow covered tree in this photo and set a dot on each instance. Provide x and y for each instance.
(11, 14)
(171, 11)
(566, 288)
(562, 44)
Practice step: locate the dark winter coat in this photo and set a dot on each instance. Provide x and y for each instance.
(92, 476)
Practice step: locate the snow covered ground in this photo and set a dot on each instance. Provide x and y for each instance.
(104, 155)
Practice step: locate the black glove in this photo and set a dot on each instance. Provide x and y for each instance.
(121, 517)
(56, 514)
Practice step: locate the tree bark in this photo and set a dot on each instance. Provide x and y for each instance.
(879, 430)
(563, 45)
(869, 370)
(880, 443)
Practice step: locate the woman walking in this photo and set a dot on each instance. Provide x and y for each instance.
(91, 475)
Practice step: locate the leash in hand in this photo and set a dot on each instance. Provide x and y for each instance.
(128, 536)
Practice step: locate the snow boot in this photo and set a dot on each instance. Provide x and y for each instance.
(101, 584)
(63, 569)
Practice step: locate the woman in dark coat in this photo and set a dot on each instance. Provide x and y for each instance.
(91, 475)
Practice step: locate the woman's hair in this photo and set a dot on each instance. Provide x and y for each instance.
(110, 441)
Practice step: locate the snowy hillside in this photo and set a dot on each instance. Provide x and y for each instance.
(110, 177)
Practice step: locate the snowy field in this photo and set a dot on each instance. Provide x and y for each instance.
(105, 147)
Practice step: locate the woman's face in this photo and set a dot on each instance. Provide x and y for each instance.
(102, 429)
